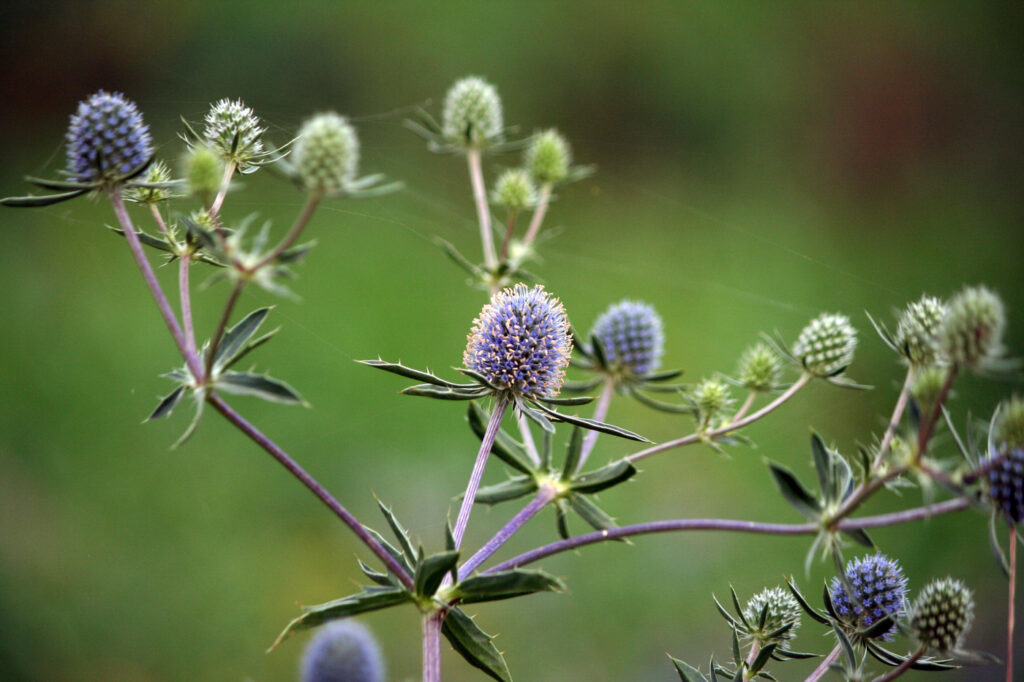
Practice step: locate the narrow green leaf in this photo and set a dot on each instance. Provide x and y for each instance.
(511, 489)
(506, 585)
(45, 200)
(996, 546)
(687, 673)
(591, 513)
(410, 373)
(736, 605)
(860, 536)
(577, 400)
(664, 375)
(822, 464)
(459, 259)
(733, 623)
(505, 448)
(597, 351)
(592, 424)
(572, 453)
(536, 416)
(795, 493)
(603, 478)
(60, 185)
(443, 392)
(382, 579)
(370, 599)
(146, 239)
(296, 253)
(659, 405)
(235, 338)
(431, 571)
(846, 645)
(192, 426)
(258, 386)
(810, 610)
(167, 404)
(762, 658)
(561, 519)
(399, 531)
(474, 645)
(398, 556)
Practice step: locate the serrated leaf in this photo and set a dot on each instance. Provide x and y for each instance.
(687, 673)
(38, 201)
(591, 513)
(398, 556)
(167, 404)
(444, 392)
(511, 489)
(733, 623)
(474, 645)
(431, 571)
(536, 416)
(235, 338)
(258, 386)
(370, 599)
(505, 448)
(739, 608)
(795, 493)
(506, 585)
(603, 478)
(592, 424)
(399, 531)
(410, 373)
(382, 579)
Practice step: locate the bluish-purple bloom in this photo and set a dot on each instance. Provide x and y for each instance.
(1006, 482)
(631, 335)
(107, 139)
(520, 342)
(343, 651)
(879, 590)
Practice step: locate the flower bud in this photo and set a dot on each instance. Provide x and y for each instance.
(631, 335)
(916, 332)
(107, 139)
(759, 368)
(783, 610)
(942, 614)
(1010, 427)
(514, 190)
(548, 157)
(1006, 481)
(520, 342)
(711, 396)
(343, 651)
(825, 346)
(203, 173)
(326, 154)
(971, 332)
(233, 131)
(880, 590)
(158, 172)
(927, 386)
(472, 114)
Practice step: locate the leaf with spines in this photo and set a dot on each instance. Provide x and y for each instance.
(601, 479)
(234, 342)
(259, 386)
(410, 373)
(687, 673)
(506, 585)
(505, 448)
(370, 599)
(510, 489)
(474, 645)
(430, 571)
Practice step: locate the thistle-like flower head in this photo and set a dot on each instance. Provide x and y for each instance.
(710, 397)
(916, 331)
(472, 114)
(548, 157)
(233, 131)
(1010, 427)
(107, 139)
(343, 650)
(514, 190)
(759, 368)
(971, 332)
(632, 337)
(782, 610)
(326, 154)
(879, 590)
(825, 346)
(942, 614)
(521, 342)
(1006, 481)
(158, 173)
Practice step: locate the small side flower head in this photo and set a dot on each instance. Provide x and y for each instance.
(343, 651)
(879, 590)
(782, 610)
(204, 173)
(759, 368)
(158, 173)
(711, 397)
(927, 386)
(942, 615)
(514, 190)
(1006, 481)
(233, 131)
(972, 331)
(825, 346)
(632, 337)
(1010, 427)
(472, 116)
(916, 331)
(107, 140)
(548, 157)
(326, 154)
(520, 342)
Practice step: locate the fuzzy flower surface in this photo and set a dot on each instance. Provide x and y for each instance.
(917, 328)
(520, 342)
(825, 346)
(879, 590)
(632, 337)
(326, 154)
(782, 610)
(942, 614)
(234, 131)
(548, 157)
(107, 139)
(759, 368)
(514, 190)
(972, 330)
(1006, 482)
(472, 115)
(343, 651)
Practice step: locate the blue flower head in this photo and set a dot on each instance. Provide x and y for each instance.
(107, 139)
(343, 651)
(879, 590)
(520, 342)
(1006, 482)
(632, 337)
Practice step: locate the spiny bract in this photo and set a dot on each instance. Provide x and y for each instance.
(783, 610)
(233, 131)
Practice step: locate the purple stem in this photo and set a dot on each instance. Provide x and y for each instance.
(823, 667)
(483, 211)
(538, 214)
(545, 495)
(600, 413)
(185, 261)
(293, 467)
(730, 525)
(478, 470)
(901, 668)
(432, 646)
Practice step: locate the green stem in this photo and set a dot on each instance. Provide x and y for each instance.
(293, 234)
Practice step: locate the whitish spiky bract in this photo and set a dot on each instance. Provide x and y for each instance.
(632, 337)
(326, 154)
(107, 139)
(759, 368)
(917, 328)
(548, 157)
(879, 590)
(520, 342)
(157, 173)
(783, 610)
(234, 131)
(825, 346)
(472, 114)
(972, 330)
(942, 614)
(342, 651)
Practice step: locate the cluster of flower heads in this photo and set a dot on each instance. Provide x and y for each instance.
(107, 139)
(632, 337)
(879, 589)
(521, 342)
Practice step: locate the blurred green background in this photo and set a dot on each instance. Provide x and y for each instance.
(758, 163)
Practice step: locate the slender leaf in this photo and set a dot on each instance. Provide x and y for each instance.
(592, 424)
(571, 402)
(474, 645)
(193, 425)
(592, 514)
(259, 386)
(410, 373)
(572, 454)
(687, 673)
(167, 404)
(506, 585)
(660, 405)
(860, 536)
(370, 599)
(810, 610)
(443, 392)
(511, 489)
(795, 493)
(235, 338)
(382, 579)
(822, 464)
(996, 546)
(459, 259)
(431, 571)
(536, 416)
(603, 478)
(400, 533)
(37, 201)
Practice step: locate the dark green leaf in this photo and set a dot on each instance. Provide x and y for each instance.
(60, 185)
(250, 347)
(591, 513)
(860, 536)
(146, 239)
(660, 405)
(996, 546)
(408, 372)
(795, 493)
(459, 259)
(511, 489)
(431, 571)
(296, 254)
(597, 351)
(234, 339)
(561, 519)
(506, 585)
(259, 386)
(201, 235)
(810, 610)
(733, 622)
(536, 416)
(592, 424)
(687, 673)
(572, 454)
(400, 533)
(762, 658)
(474, 645)
(399, 557)
(370, 599)
(167, 404)
(579, 400)
(380, 578)
(505, 448)
(846, 645)
(581, 386)
(736, 605)
(664, 375)
(892, 659)
(603, 478)
(443, 392)
(45, 200)
(822, 464)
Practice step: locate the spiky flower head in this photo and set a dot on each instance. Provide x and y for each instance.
(107, 139)
(520, 342)
(879, 590)
(233, 131)
(825, 346)
(711, 397)
(632, 337)
(157, 173)
(942, 614)
(783, 609)
(326, 154)
(204, 173)
(548, 157)
(514, 190)
(1006, 481)
(343, 651)
(916, 331)
(759, 368)
(1010, 427)
(472, 114)
(971, 332)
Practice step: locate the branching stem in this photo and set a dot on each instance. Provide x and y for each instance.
(478, 470)
(545, 495)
